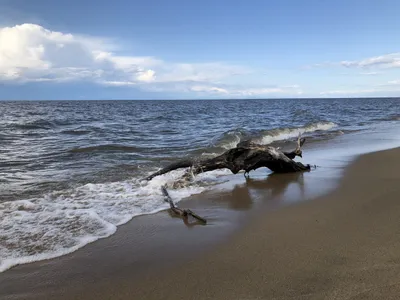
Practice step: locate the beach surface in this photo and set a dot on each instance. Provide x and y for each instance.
(342, 245)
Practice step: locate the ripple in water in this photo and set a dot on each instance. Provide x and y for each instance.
(60, 162)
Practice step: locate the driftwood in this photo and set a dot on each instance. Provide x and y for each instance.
(247, 156)
(184, 213)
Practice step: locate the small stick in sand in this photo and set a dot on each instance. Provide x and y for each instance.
(184, 213)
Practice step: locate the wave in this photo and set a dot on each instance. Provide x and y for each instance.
(38, 124)
(62, 222)
(389, 118)
(269, 136)
(300, 115)
(230, 139)
(76, 132)
(7, 137)
(110, 147)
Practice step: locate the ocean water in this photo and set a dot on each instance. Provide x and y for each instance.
(71, 171)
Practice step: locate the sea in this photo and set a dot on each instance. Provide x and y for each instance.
(71, 172)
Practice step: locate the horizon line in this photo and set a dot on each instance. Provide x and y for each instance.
(212, 99)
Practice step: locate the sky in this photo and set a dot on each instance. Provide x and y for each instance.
(207, 49)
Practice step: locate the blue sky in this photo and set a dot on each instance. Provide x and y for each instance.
(198, 49)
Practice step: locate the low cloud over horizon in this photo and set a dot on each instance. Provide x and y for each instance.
(31, 53)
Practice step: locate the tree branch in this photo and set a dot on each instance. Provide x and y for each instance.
(247, 156)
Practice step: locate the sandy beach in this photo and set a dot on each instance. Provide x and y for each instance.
(199, 150)
(343, 245)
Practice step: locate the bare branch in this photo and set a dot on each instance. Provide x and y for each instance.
(247, 156)
(184, 213)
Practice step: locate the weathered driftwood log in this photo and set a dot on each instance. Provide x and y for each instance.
(247, 156)
(184, 213)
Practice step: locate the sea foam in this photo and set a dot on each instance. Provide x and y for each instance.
(62, 222)
(269, 136)
(232, 138)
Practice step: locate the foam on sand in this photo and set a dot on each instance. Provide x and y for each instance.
(62, 222)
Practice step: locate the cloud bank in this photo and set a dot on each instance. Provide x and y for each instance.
(32, 53)
(386, 61)
(392, 87)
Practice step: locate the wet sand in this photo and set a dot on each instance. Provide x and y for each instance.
(339, 246)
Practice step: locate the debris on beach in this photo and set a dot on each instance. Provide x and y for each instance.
(246, 156)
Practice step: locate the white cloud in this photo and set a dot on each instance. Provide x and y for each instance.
(370, 73)
(32, 53)
(394, 82)
(118, 83)
(246, 92)
(200, 72)
(386, 61)
(146, 76)
(126, 63)
(261, 91)
(391, 60)
(389, 87)
(348, 92)
(209, 89)
(29, 52)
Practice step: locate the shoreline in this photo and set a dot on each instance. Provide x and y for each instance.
(102, 197)
(156, 250)
(230, 211)
(342, 245)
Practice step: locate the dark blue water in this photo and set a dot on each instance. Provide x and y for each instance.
(72, 169)
(52, 144)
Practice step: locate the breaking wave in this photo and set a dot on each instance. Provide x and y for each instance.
(230, 139)
(62, 222)
(269, 136)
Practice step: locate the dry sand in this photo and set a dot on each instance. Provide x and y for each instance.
(345, 245)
